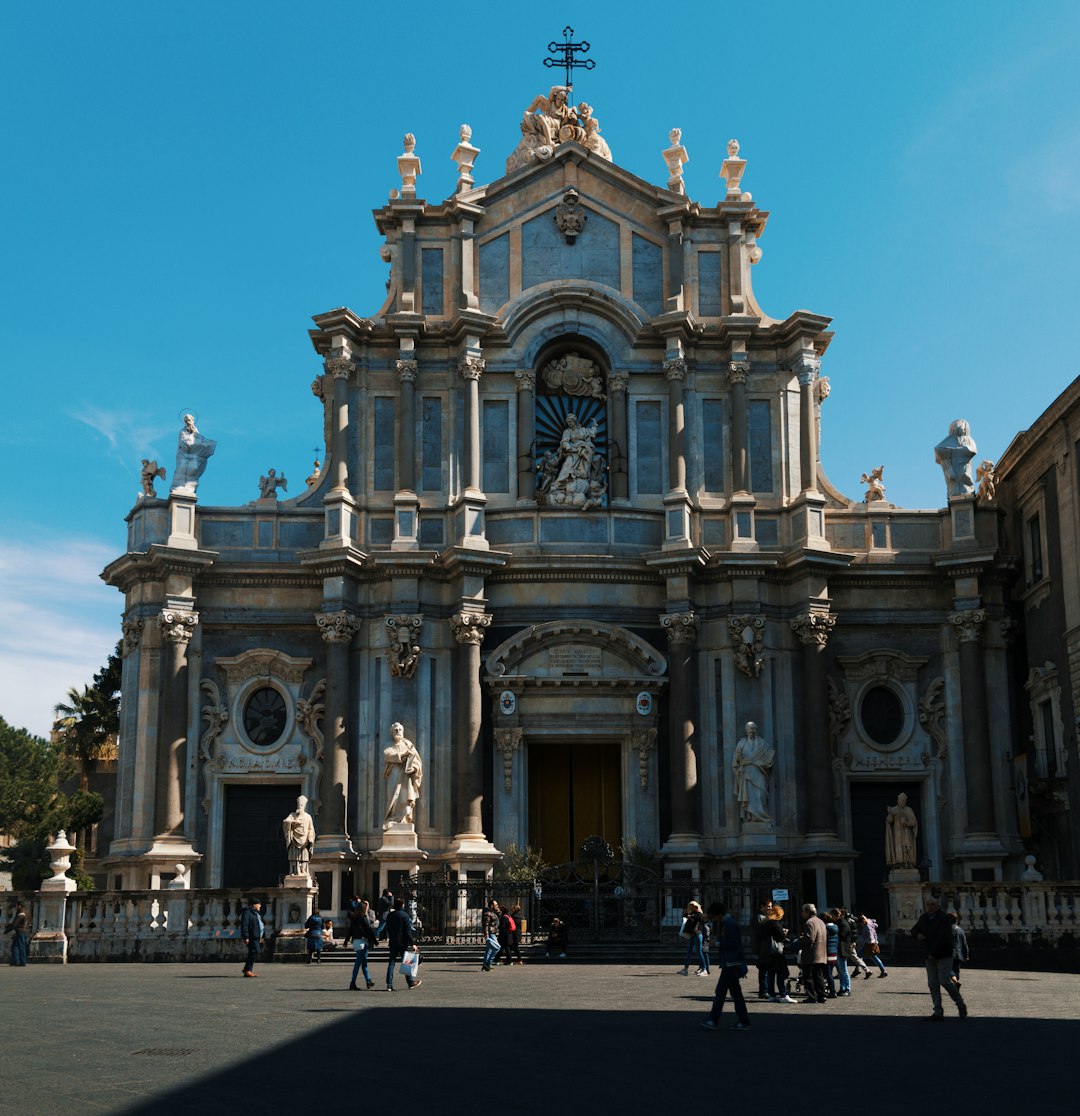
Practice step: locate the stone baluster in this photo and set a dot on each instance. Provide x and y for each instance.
(469, 629)
(978, 783)
(681, 629)
(620, 435)
(813, 630)
(1015, 914)
(337, 630)
(967, 914)
(525, 379)
(177, 628)
(738, 371)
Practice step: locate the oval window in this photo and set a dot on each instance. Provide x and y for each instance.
(264, 717)
(882, 715)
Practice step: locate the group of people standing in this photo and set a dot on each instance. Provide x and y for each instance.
(501, 927)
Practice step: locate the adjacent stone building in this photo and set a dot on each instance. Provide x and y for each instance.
(573, 533)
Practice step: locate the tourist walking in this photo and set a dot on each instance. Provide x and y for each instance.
(515, 935)
(693, 931)
(386, 905)
(761, 946)
(729, 956)
(849, 925)
(832, 952)
(959, 947)
(361, 931)
(934, 930)
(251, 932)
(489, 924)
(871, 950)
(812, 957)
(313, 937)
(846, 940)
(777, 937)
(17, 929)
(399, 932)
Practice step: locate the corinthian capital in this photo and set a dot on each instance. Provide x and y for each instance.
(470, 627)
(968, 623)
(406, 370)
(177, 627)
(132, 628)
(339, 364)
(737, 371)
(813, 627)
(526, 379)
(675, 369)
(471, 367)
(618, 381)
(337, 627)
(806, 368)
(680, 628)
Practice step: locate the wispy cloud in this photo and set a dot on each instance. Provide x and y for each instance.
(59, 623)
(127, 434)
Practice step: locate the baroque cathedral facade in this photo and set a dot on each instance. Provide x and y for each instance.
(572, 532)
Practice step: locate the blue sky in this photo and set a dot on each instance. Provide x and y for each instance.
(183, 186)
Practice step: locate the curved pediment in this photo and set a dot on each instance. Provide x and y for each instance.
(561, 649)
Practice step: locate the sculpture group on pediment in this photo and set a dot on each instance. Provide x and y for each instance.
(551, 120)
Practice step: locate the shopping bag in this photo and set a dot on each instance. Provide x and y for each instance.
(410, 961)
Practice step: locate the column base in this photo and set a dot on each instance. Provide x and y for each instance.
(742, 522)
(469, 528)
(676, 521)
(472, 846)
(339, 515)
(808, 521)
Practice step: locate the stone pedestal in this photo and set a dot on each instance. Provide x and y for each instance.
(905, 898)
(182, 520)
(49, 941)
(294, 907)
(399, 852)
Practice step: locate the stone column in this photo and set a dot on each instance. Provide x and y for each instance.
(738, 370)
(471, 369)
(526, 432)
(337, 629)
(808, 371)
(681, 629)
(675, 374)
(340, 366)
(978, 782)
(176, 629)
(469, 629)
(406, 463)
(813, 630)
(620, 435)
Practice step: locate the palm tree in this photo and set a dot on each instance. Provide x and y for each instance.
(87, 723)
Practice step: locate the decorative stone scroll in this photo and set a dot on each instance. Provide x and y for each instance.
(309, 716)
(403, 635)
(337, 627)
(178, 627)
(680, 627)
(644, 743)
(813, 627)
(968, 623)
(262, 662)
(470, 627)
(508, 740)
(574, 375)
(932, 715)
(132, 628)
(747, 633)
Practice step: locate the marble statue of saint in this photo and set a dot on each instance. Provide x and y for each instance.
(404, 775)
(150, 472)
(901, 829)
(299, 832)
(192, 453)
(954, 455)
(753, 765)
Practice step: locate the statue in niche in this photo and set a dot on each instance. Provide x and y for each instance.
(269, 485)
(575, 375)
(875, 489)
(573, 476)
(752, 765)
(987, 482)
(192, 453)
(404, 775)
(901, 829)
(150, 472)
(954, 455)
(299, 832)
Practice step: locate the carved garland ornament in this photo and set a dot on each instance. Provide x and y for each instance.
(680, 628)
(470, 627)
(839, 714)
(746, 641)
(178, 627)
(215, 716)
(403, 638)
(132, 628)
(644, 740)
(337, 627)
(813, 627)
(508, 741)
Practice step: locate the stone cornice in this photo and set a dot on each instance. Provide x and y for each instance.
(342, 561)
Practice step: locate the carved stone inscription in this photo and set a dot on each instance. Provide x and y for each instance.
(578, 659)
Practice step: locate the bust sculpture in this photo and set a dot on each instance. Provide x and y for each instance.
(299, 832)
(404, 775)
(752, 766)
(901, 829)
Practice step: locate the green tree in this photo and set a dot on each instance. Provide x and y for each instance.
(87, 723)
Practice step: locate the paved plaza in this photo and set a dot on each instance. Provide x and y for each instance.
(540, 1037)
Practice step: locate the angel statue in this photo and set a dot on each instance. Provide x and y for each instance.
(150, 472)
(269, 485)
(876, 486)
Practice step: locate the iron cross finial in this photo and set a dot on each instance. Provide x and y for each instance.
(568, 49)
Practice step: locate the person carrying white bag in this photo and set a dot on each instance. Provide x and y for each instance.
(399, 932)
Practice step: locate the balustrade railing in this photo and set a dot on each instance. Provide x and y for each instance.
(1045, 909)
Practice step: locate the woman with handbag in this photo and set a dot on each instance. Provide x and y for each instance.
(693, 933)
(868, 939)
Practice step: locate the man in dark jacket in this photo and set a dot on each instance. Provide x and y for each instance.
(935, 932)
(729, 956)
(399, 931)
(251, 931)
(17, 929)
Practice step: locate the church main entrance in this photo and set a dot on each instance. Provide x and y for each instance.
(574, 793)
(254, 853)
